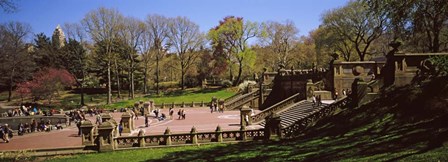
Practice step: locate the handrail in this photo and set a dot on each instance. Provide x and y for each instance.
(274, 108)
(243, 99)
(233, 97)
(300, 125)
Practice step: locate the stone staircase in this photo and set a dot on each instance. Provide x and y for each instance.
(297, 111)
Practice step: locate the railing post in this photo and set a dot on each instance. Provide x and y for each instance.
(244, 116)
(218, 134)
(105, 141)
(194, 136)
(126, 122)
(141, 139)
(243, 133)
(87, 133)
(167, 136)
(272, 130)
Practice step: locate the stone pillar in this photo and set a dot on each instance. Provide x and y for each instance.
(141, 139)
(105, 138)
(115, 132)
(272, 130)
(183, 104)
(172, 105)
(106, 117)
(87, 133)
(261, 89)
(359, 91)
(309, 89)
(192, 103)
(245, 118)
(243, 133)
(194, 136)
(202, 103)
(218, 134)
(163, 105)
(126, 122)
(167, 136)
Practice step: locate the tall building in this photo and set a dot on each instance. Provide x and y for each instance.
(58, 37)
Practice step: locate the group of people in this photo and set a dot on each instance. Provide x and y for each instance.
(181, 113)
(27, 111)
(214, 107)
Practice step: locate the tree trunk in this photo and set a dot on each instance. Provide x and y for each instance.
(132, 79)
(11, 84)
(240, 70)
(82, 95)
(118, 79)
(182, 76)
(157, 72)
(109, 89)
(145, 77)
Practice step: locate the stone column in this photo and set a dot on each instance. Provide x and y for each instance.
(126, 122)
(261, 89)
(167, 136)
(245, 113)
(105, 117)
(141, 139)
(105, 137)
(87, 133)
(272, 130)
(194, 136)
(218, 134)
(309, 89)
(243, 133)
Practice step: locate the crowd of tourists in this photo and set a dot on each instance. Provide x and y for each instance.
(28, 111)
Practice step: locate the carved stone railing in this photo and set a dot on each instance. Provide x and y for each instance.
(242, 100)
(297, 127)
(275, 108)
(188, 138)
(233, 97)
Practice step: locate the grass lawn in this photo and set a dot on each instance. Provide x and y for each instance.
(71, 100)
(187, 96)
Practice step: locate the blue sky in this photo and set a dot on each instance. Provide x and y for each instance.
(45, 15)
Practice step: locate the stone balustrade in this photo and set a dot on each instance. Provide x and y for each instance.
(193, 137)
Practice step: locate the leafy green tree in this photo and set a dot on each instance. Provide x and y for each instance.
(418, 23)
(75, 61)
(356, 25)
(233, 34)
(103, 25)
(131, 34)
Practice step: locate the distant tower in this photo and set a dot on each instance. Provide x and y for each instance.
(58, 37)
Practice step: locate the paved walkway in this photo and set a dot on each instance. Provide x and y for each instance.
(201, 118)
